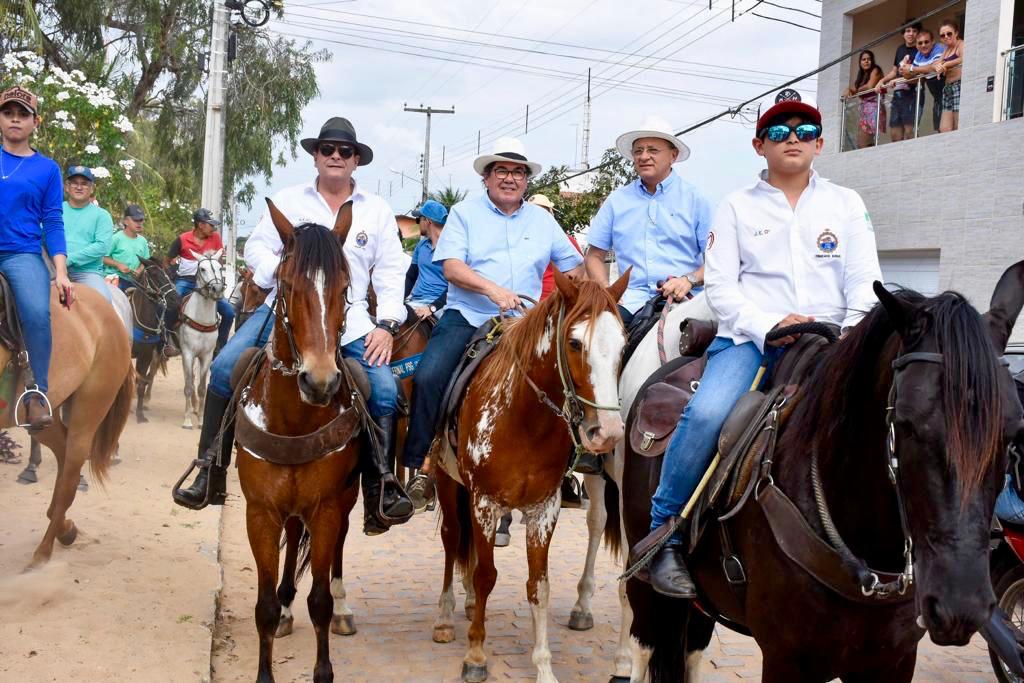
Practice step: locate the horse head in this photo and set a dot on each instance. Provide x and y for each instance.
(591, 342)
(157, 285)
(210, 280)
(312, 278)
(953, 411)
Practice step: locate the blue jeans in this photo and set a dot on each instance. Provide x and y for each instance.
(730, 371)
(225, 309)
(256, 332)
(1009, 506)
(30, 283)
(445, 348)
(90, 279)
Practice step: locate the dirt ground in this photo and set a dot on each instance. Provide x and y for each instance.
(135, 598)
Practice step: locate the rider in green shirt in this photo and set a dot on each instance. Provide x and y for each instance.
(88, 230)
(127, 247)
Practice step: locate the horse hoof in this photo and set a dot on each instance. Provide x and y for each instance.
(470, 608)
(284, 627)
(83, 485)
(581, 621)
(28, 476)
(474, 673)
(69, 536)
(141, 419)
(619, 679)
(186, 426)
(343, 625)
(444, 634)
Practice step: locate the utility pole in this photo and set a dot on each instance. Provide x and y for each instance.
(586, 127)
(216, 115)
(426, 146)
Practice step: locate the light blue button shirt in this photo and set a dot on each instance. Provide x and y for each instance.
(511, 251)
(659, 235)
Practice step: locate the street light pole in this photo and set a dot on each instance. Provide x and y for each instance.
(213, 152)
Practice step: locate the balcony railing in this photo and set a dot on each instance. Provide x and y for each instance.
(1013, 83)
(867, 115)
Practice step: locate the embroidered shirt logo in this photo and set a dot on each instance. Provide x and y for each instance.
(361, 239)
(711, 241)
(761, 232)
(827, 244)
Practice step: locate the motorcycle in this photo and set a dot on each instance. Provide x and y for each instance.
(1004, 631)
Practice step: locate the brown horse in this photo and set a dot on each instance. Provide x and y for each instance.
(891, 458)
(153, 295)
(91, 377)
(297, 394)
(410, 342)
(512, 447)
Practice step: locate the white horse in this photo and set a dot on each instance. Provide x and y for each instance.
(630, 659)
(198, 332)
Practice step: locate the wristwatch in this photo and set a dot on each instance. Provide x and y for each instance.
(433, 308)
(389, 326)
(692, 279)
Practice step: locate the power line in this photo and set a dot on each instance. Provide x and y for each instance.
(793, 9)
(784, 21)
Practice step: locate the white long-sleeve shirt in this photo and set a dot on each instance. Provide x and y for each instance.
(372, 244)
(765, 260)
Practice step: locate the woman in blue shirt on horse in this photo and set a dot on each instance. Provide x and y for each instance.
(31, 210)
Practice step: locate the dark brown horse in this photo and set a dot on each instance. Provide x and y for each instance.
(512, 447)
(297, 393)
(893, 455)
(410, 342)
(153, 296)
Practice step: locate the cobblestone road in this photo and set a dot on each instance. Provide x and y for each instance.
(393, 583)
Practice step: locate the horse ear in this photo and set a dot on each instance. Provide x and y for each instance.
(1005, 306)
(283, 225)
(217, 254)
(344, 221)
(566, 286)
(619, 287)
(898, 311)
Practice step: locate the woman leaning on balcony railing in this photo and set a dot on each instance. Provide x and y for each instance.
(872, 110)
(950, 66)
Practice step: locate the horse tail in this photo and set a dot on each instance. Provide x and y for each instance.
(303, 553)
(659, 624)
(613, 523)
(464, 551)
(104, 443)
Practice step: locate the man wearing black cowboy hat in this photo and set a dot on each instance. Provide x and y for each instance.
(373, 248)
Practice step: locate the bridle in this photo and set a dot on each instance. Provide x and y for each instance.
(155, 294)
(209, 287)
(870, 584)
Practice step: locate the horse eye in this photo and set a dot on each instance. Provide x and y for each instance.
(575, 345)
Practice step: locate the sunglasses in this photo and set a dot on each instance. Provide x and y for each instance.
(948, 34)
(328, 149)
(805, 132)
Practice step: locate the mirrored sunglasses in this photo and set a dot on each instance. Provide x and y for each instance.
(805, 132)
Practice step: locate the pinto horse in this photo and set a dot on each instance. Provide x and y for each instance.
(296, 400)
(512, 447)
(892, 457)
(91, 378)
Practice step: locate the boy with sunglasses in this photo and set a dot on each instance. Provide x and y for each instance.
(791, 248)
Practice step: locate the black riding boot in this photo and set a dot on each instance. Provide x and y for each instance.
(382, 510)
(669, 575)
(210, 485)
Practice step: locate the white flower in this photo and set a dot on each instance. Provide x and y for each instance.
(78, 75)
(101, 172)
(123, 124)
(27, 78)
(34, 65)
(164, 204)
(68, 125)
(92, 149)
(63, 95)
(127, 164)
(61, 115)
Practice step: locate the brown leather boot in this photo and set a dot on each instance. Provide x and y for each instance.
(37, 414)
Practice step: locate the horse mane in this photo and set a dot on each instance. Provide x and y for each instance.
(521, 335)
(846, 380)
(316, 248)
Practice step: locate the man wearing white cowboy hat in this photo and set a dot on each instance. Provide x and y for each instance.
(373, 249)
(484, 274)
(657, 224)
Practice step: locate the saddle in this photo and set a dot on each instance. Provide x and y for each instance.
(641, 324)
(11, 339)
(481, 344)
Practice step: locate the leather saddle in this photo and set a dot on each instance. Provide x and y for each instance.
(11, 339)
(481, 344)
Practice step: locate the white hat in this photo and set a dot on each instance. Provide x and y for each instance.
(543, 201)
(653, 127)
(506, 149)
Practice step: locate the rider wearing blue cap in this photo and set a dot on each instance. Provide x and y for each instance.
(426, 287)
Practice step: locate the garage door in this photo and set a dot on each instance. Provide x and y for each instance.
(917, 269)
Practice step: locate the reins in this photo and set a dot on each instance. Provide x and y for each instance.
(207, 291)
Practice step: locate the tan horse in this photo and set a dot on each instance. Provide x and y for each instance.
(91, 377)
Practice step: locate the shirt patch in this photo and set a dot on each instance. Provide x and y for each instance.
(827, 244)
(361, 239)
(761, 232)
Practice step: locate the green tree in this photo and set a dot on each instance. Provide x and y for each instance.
(449, 196)
(577, 202)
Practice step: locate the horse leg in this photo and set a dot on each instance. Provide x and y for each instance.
(540, 525)
(76, 446)
(204, 378)
(29, 475)
(467, 583)
(142, 368)
(343, 621)
(484, 516)
(581, 618)
(324, 532)
(187, 360)
(451, 531)
(286, 589)
(699, 631)
(264, 530)
(901, 672)
(625, 657)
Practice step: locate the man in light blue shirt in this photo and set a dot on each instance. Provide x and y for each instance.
(426, 290)
(493, 247)
(658, 224)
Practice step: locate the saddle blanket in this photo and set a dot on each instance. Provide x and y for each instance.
(140, 336)
(406, 367)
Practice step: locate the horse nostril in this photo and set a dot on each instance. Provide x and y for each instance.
(333, 384)
(304, 384)
(592, 432)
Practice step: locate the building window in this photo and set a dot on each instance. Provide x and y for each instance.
(1013, 66)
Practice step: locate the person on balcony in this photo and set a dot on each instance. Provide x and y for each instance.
(872, 112)
(923, 67)
(901, 111)
(950, 67)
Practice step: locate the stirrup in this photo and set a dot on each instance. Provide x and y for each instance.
(34, 390)
(198, 464)
(385, 479)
